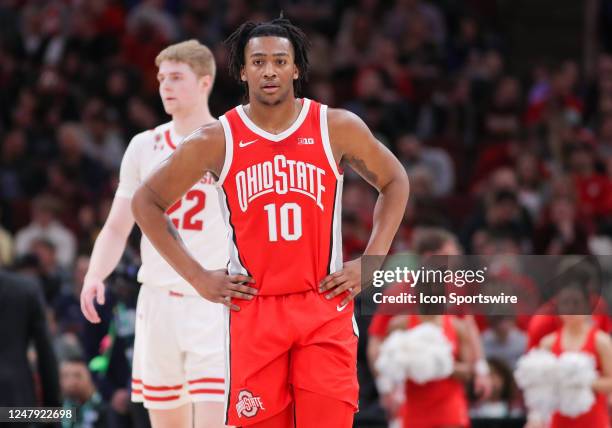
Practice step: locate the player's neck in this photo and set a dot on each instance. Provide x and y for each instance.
(187, 122)
(274, 118)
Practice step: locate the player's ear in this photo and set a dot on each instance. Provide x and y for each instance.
(243, 75)
(206, 81)
(296, 72)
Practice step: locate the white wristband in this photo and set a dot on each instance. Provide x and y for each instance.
(482, 367)
(384, 385)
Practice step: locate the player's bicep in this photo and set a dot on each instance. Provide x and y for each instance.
(177, 174)
(362, 151)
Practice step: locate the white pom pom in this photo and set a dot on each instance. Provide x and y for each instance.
(536, 368)
(421, 354)
(541, 399)
(576, 401)
(576, 369)
(536, 373)
(576, 375)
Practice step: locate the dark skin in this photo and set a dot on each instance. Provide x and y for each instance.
(269, 72)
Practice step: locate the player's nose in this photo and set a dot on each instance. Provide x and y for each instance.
(269, 70)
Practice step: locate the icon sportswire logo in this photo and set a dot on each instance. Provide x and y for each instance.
(248, 143)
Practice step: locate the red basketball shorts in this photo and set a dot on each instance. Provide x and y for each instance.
(276, 343)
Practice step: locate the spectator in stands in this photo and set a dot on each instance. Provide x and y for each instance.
(50, 273)
(18, 174)
(531, 175)
(102, 142)
(503, 340)
(501, 212)
(67, 305)
(592, 187)
(561, 232)
(45, 225)
(6, 246)
(414, 154)
(502, 120)
(503, 402)
(81, 396)
(73, 161)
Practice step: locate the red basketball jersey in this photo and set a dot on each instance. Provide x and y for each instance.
(282, 194)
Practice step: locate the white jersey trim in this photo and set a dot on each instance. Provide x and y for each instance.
(326, 144)
(335, 260)
(235, 265)
(275, 137)
(228, 354)
(229, 150)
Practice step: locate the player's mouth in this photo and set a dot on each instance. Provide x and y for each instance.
(270, 88)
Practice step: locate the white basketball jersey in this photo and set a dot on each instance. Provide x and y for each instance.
(197, 215)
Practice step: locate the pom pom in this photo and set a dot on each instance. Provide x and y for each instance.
(550, 383)
(576, 369)
(576, 375)
(421, 354)
(576, 401)
(537, 375)
(536, 368)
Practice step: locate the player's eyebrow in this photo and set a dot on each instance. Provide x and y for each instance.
(261, 54)
(171, 73)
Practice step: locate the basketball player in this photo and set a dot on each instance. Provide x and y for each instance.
(178, 350)
(291, 344)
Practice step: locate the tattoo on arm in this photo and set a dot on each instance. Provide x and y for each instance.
(360, 166)
(172, 230)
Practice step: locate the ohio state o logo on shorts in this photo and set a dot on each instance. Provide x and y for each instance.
(248, 405)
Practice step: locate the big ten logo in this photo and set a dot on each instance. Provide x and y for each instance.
(306, 141)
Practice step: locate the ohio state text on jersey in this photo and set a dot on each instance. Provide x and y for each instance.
(282, 201)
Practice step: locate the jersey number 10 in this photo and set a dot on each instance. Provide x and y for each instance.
(286, 210)
(187, 222)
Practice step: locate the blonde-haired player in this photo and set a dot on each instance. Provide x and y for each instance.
(178, 350)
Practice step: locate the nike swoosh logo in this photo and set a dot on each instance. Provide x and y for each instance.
(241, 144)
(341, 308)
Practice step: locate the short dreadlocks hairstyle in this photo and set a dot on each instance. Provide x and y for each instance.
(279, 27)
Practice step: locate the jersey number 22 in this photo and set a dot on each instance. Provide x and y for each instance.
(188, 222)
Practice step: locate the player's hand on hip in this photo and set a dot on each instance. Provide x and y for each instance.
(92, 288)
(347, 280)
(219, 287)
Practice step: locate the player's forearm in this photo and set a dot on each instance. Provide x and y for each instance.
(388, 214)
(154, 223)
(462, 371)
(107, 251)
(372, 352)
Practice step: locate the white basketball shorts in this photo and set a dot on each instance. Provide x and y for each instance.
(178, 350)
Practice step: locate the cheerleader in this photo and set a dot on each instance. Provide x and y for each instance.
(579, 333)
(441, 403)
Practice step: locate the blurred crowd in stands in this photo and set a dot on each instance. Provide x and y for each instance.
(508, 162)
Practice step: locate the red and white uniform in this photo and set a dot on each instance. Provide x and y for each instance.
(597, 416)
(282, 202)
(438, 403)
(178, 350)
